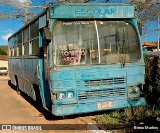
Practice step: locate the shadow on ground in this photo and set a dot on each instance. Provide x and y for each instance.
(47, 114)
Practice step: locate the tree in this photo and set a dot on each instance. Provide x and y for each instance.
(17, 9)
(2, 52)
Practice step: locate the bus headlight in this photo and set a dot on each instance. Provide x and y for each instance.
(137, 89)
(134, 89)
(70, 95)
(61, 96)
(131, 90)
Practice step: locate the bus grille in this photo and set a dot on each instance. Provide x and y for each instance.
(106, 93)
(110, 81)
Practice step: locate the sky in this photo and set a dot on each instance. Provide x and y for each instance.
(9, 26)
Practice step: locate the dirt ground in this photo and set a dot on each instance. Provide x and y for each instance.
(15, 109)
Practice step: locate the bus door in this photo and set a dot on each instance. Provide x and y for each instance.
(45, 42)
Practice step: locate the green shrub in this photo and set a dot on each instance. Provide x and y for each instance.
(130, 116)
(114, 117)
(152, 79)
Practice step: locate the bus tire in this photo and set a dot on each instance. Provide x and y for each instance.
(38, 97)
(17, 86)
(18, 90)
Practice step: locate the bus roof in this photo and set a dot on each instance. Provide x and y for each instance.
(29, 22)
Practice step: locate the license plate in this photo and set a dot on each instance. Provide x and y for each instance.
(104, 105)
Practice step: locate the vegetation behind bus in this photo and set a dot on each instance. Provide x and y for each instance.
(3, 50)
(151, 112)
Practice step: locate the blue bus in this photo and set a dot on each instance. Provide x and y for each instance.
(80, 57)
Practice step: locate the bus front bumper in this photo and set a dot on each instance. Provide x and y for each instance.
(70, 109)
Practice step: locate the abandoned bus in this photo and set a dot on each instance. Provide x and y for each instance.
(79, 58)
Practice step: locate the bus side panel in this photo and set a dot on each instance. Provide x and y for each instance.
(135, 75)
(29, 68)
(25, 70)
(14, 69)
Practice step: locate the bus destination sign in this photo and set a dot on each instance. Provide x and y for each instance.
(92, 11)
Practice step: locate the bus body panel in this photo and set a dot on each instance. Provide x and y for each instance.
(23, 71)
(96, 83)
(62, 110)
(25, 67)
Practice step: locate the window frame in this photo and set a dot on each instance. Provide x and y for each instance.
(127, 21)
(34, 38)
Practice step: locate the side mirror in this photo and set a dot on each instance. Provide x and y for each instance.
(47, 33)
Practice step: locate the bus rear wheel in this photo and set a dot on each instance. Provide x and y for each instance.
(18, 90)
(17, 86)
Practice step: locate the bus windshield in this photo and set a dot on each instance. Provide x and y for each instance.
(94, 42)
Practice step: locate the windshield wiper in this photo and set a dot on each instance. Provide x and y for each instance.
(123, 52)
